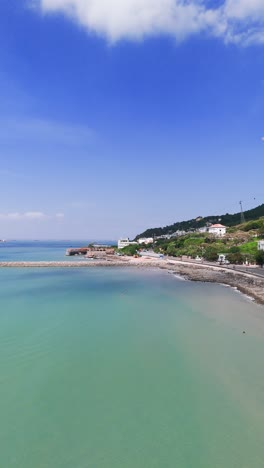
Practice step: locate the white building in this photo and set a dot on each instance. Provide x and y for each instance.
(261, 245)
(146, 240)
(124, 243)
(203, 229)
(217, 230)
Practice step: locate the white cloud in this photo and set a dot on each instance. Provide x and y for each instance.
(34, 215)
(117, 19)
(238, 21)
(240, 9)
(14, 216)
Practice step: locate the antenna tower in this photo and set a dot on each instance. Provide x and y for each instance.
(242, 213)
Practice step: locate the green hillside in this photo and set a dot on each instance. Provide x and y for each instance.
(227, 219)
(240, 244)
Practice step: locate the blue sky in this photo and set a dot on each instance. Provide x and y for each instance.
(118, 116)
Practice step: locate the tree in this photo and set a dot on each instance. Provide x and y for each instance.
(210, 254)
(171, 250)
(234, 250)
(261, 231)
(129, 250)
(260, 258)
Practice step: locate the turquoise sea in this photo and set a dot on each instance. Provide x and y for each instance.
(128, 368)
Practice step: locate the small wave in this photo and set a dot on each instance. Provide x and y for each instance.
(241, 293)
(176, 276)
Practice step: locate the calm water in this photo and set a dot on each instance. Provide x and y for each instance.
(23, 251)
(118, 368)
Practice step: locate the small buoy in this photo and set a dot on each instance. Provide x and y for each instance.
(244, 332)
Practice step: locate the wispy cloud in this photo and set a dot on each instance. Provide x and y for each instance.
(44, 131)
(29, 216)
(34, 215)
(237, 21)
(9, 173)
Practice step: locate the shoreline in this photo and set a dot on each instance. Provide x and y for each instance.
(250, 284)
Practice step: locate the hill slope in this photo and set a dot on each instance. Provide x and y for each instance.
(227, 219)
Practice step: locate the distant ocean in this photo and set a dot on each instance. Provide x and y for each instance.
(126, 368)
(41, 250)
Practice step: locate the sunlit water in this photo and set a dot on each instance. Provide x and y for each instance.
(119, 368)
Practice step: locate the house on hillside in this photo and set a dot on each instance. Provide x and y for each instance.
(146, 240)
(178, 233)
(261, 245)
(217, 230)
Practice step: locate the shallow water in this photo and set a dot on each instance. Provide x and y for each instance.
(119, 368)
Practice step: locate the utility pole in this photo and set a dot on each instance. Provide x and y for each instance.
(242, 213)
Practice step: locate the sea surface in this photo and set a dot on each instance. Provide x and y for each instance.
(128, 368)
(23, 251)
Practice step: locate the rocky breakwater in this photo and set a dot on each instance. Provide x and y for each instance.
(66, 264)
(248, 283)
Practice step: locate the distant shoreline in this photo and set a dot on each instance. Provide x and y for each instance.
(248, 283)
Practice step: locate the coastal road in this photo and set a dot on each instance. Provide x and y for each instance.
(256, 271)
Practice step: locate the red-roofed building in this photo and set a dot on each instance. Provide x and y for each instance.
(217, 230)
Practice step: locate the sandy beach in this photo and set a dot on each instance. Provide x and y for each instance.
(248, 283)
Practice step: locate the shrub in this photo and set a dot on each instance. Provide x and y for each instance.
(234, 250)
(210, 254)
(249, 248)
(235, 258)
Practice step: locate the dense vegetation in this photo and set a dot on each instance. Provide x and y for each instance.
(130, 250)
(239, 245)
(209, 248)
(227, 219)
